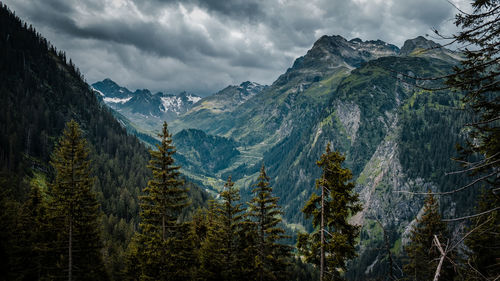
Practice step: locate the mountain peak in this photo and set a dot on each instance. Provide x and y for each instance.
(107, 83)
(110, 89)
(419, 42)
(330, 54)
(422, 47)
(248, 85)
(334, 40)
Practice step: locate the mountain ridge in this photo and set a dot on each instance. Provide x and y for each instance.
(145, 109)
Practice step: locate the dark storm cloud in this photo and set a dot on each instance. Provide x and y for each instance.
(241, 9)
(203, 45)
(177, 41)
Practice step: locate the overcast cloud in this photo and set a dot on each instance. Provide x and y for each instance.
(201, 46)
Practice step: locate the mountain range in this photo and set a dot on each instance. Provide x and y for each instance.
(145, 108)
(359, 96)
(356, 95)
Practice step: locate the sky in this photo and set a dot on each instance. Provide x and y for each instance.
(202, 46)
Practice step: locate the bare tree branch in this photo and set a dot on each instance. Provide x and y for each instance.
(468, 233)
(452, 191)
(472, 168)
(483, 122)
(472, 216)
(441, 259)
(477, 271)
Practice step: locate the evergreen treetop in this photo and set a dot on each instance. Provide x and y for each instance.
(333, 240)
(423, 254)
(164, 196)
(271, 259)
(74, 215)
(162, 249)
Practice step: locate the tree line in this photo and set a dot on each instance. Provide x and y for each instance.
(60, 235)
(58, 231)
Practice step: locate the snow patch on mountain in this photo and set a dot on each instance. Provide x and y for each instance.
(99, 92)
(193, 99)
(171, 104)
(116, 100)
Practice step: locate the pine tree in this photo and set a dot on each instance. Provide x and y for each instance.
(198, 231)
(34, 236)
(223, 252)
(212, 247)
(162, 247)
(483, 243)
(133, 269)
(477, 77)
(73, 212)
(423, 255)
(333, 241)
(272, 257)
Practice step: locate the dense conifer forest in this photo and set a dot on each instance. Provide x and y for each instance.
(82, 199)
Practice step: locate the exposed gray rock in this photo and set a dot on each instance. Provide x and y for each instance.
(349, 115)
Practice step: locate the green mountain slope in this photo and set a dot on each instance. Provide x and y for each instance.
(397, 137)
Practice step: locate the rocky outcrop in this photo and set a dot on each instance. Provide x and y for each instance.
(349, 115)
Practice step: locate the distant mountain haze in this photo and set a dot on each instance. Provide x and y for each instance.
(142, 106)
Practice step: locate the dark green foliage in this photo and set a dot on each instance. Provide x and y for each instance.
(300, 271)
(39, 92)
(423, 254)
(164, 196)
(209, 154)
(483, 243)
(212, 246)
(340, 202)
(225, 252)
(162, 247)
(271, 261)
(73, 212)
(478, 78)
(35, 257)
(10, 267)
(430, 130)
(430, 124)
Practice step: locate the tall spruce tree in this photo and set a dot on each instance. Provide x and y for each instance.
(272, 257)
(483, 243)
(333, 241)
(222, 253)
(73, 212)
(162, 247)
(423, 254)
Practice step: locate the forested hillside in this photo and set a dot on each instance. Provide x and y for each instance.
(362, 161)
(41, 90)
